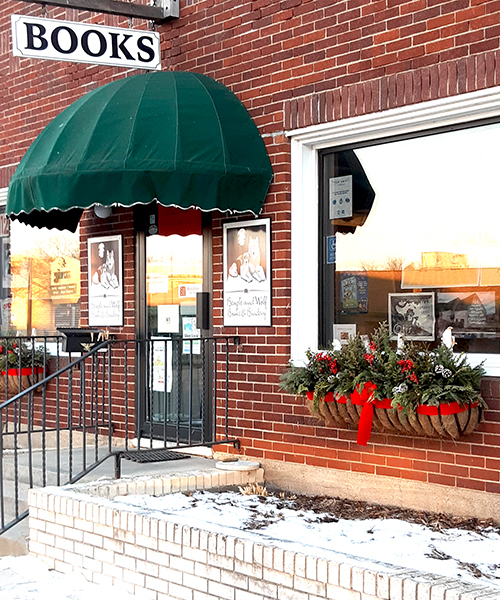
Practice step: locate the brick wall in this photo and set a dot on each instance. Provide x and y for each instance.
(292, 63)
(161, 558)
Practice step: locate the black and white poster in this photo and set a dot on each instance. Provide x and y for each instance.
(247, 273)
(105, 281)
(413, 316)
(471, 314)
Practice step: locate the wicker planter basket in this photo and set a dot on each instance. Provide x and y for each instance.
(359, 412)
(16, 381)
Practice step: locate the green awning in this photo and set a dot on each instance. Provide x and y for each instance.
(180, 138)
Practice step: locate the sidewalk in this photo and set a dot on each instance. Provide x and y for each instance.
(27, 578)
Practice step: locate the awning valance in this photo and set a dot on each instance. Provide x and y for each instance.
(181, 138)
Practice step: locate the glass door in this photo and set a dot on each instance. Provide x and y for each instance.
(175, 358)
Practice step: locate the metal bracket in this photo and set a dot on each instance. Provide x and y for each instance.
(159, 11)
(170, 7)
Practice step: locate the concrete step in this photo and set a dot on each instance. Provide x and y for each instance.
(48, 463)
(37, 440)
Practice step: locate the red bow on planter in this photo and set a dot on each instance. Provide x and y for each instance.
(368, 402)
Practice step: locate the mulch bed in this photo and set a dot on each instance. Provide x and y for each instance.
(341, 508)
(331, 509)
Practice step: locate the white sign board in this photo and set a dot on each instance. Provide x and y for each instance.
(189, 290)
(189, 331)
(247, 273)
(162, 366)
(105, 260)
(168, 318)
(341, 197)
(52, 39)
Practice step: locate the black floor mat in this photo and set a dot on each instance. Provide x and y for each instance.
(148, 456)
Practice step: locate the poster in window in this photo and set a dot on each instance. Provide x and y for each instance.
(162, 365)
(353, 293)
(247, 273)
(191, 336)
(412, 315)
(471, 314)
(5, 258)
(105, 281)
(168, 318)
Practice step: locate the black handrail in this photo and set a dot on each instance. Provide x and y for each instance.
(84, 405)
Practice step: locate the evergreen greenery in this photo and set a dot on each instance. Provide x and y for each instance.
(409, 373)
(15, 353)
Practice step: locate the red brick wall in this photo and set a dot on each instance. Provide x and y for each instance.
(293, 63)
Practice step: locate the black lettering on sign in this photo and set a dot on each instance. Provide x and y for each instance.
(102, 42)
(31, 36)
(149, 51)
(54, 38)
(120, 46)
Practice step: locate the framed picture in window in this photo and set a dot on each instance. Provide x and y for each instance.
(345, 332)
(412, 315)
(105, 281)
(247, 273)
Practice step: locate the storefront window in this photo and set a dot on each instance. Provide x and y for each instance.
(409, 235)
(39, 279)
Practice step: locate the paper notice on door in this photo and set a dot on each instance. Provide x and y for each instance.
(162, 366)
(189, 332)
(168, 318)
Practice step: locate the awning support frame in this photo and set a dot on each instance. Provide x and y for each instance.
(161, 11)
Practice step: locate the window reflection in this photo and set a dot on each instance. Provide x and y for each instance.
(432, 231)
(40, 277)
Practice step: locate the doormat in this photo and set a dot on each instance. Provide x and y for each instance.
(149, 456)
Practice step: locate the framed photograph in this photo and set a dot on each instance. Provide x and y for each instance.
(344, 333)
(247, 273)
(412, 315)
(105, 261)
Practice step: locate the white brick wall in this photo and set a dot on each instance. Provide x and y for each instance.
(163, 560)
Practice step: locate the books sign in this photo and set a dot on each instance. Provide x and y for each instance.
(52, 39)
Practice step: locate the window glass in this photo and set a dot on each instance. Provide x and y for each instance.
(40, 280)
(409, 236)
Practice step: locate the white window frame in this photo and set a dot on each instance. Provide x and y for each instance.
(305, 145)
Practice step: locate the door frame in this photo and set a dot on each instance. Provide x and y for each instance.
(142, 425)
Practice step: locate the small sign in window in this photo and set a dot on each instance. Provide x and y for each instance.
(341, 197)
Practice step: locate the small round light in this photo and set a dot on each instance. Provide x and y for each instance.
(103, 212)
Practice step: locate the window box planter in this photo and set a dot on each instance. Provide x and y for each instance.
(15, 380)
(366, 414)
(406, 389)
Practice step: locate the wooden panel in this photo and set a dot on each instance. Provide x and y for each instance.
(116, 7)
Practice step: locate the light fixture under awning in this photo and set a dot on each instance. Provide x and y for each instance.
(180, 138)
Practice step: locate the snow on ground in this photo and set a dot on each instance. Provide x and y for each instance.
(464, 555)
(27, 578)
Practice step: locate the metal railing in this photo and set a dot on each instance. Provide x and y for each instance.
(165, 392)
